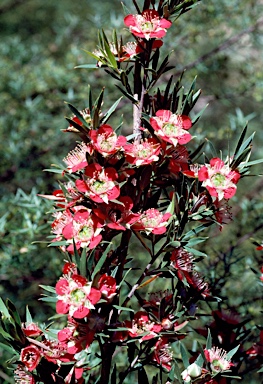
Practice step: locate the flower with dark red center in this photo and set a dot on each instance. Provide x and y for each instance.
(30, 356)
(162, 354)
(148, 25)
(76, 296)
(99, 184)
(141, 326)
(115, 215)
(219, 179)
(142, 153)
(105, 140)
(171, 128)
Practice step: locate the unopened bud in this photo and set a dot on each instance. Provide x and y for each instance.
(191, 372)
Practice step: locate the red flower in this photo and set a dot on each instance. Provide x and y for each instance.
(115, 215)
(23, 377)
(100, 185)
(150, 221)
(141, 325)
(31, 330)
(163, 354)
(105, 140)
(217, 357)
(30, 356)
(107, 286)
(219, 179)
(77, 224)
(76, 296)
(76, 159)
(148, 25)
(142, 153)
(77, 336)
(171, 128)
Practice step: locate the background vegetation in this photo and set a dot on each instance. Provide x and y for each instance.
(41, 43)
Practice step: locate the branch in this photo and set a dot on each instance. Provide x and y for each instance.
(227, 43)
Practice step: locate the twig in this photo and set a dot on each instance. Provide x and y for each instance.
(137, 114)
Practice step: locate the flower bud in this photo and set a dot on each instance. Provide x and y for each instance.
(191, 372)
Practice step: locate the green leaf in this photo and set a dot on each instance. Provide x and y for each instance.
(123, 308)
(87, 66)
(48, 299)
(48, 288)
(196, 240)
(92, 55)
(77, 114)
(129, 96)
(4, 309)
(28, 316)
(231, 353)
(184, 354)
(208, 340)
(101, 261)
(13, 311)
(196, 230)
(110, 111)
(83, 262)
(240, 141)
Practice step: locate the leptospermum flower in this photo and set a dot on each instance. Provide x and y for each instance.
(162, 354)
(78, 224)
(76, 336)
(30, 356)
(105, 140)
(23, 377)
(219, 179)
(142, 325)
(115, 215)
(76, 159)
(142, 153)
(171, 128)
(150, 221)
(76, 296)
(107, 286)
(148, 25)
(217, 357)
(100, 183)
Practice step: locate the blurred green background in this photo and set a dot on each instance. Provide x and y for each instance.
(41, 42)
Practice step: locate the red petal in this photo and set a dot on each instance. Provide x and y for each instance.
(94, 295)
(62, 307)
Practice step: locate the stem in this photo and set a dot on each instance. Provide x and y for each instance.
(107, 351)
(141, 278)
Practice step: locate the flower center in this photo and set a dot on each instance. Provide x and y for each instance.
(77, 295)
(99, 186)
(85, 233)
(218, 179)
(170, 129)
(107, 143)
